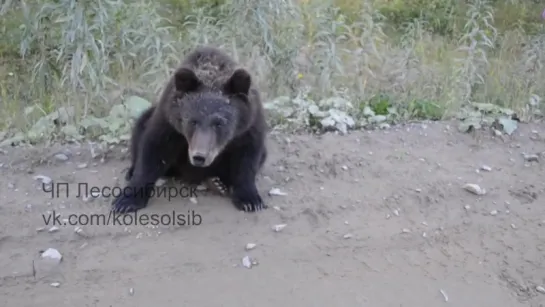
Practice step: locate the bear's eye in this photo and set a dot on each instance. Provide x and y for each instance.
(193, 123)
(217, 123)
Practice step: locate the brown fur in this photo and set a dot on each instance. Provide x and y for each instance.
(210, 110)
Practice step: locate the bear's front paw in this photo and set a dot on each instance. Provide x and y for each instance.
(128, 202)
(246, 198)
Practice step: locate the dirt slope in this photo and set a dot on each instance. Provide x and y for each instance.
(373, 219)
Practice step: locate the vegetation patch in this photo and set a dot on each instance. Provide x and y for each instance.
(72, 70)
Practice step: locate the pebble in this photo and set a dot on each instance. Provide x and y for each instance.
(344, 167)
(131, 291)
(279, 227)
(44, 179)
(53, 229)
(396, 212)
(52, 254)
(55, 284)
(494, 212)
(405, 230)
(513, 226)
(467, 207)
(78, 230)
(531, 158)
(445, 296)
(160, 182)
(474, 188)
(82, 165)
(250, 246)
(348, 236)
(278, 192)
(486, 168)
(540, 289)
(246, 262)
(193, 200)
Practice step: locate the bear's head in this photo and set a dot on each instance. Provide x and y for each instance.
(210, 117)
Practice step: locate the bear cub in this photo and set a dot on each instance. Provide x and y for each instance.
(209, 124)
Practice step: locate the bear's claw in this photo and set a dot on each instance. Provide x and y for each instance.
(248, 200)
(126, 203)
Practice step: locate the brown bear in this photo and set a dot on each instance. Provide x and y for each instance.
(209, 124)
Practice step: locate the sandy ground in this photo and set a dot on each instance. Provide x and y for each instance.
(374, 218)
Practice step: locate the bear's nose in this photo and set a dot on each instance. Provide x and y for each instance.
(198, 160)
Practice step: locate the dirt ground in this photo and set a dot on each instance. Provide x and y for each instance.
(373, 218)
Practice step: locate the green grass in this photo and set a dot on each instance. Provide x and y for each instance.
(426, 59)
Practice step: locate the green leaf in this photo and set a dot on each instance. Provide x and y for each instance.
(509, 126)
(136, 105)
(469, 124)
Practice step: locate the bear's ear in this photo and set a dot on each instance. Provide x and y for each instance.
(239, 82)
(185, 80)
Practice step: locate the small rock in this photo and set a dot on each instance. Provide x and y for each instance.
(396, 212)
(494, 212)
(61, 157)
(131, 291)
(250, 246)
(278, 192)
(193, 200)
(486, 168)
(82, 165)
(348, 236)
(418, 190)
(279, 227)
(540, 289)
(246, 262)
(43, 179)
(405, 230)
(474, 188)
(40, 229)
(160, 182)
(55, 284)
(344, 167)
(52, 254)
(513, 226)
(467, 207)
(445, 296)
(53, 229)
(531, 158)
(277, 208)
